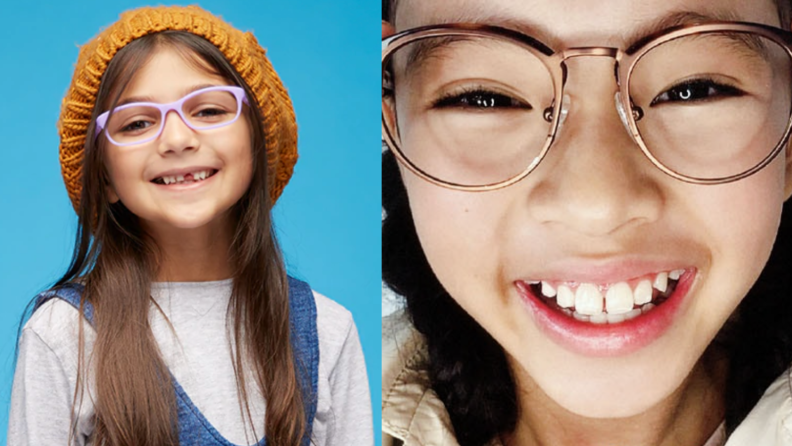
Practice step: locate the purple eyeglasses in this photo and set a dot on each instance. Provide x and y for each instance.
(141, 122)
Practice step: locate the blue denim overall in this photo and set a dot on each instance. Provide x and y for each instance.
(194, 428)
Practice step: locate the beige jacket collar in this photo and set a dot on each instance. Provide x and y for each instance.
(413, 413)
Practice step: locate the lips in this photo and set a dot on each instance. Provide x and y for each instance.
(607, 319)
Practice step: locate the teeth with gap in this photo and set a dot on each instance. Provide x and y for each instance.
(178, 179)
(619, 303)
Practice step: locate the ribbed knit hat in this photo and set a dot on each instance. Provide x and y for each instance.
(240, 49)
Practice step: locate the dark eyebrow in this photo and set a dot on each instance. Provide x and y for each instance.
(554, 41)
(184, 92)
(534, 30)
(749, 45)
(674, 19)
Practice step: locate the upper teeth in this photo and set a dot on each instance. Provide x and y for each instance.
(619, 298)
(199, 175)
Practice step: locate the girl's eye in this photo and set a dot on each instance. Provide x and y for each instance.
(481, 100)
(136, 126)
(697, 90)
(210, 112)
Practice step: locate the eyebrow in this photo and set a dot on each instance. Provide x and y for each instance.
(185, 92)
(500, 19)
(554, 41)
(674, 19)
(749, 45)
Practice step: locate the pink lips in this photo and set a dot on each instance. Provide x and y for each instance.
(607, 340)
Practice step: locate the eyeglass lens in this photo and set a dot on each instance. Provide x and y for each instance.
(137, 123)
(475, 110)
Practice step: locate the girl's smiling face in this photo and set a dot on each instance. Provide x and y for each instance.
(221, 154)
(596, 214)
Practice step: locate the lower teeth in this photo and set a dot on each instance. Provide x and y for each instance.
(605, 318)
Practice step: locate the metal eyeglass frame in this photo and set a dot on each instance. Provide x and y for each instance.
(555, 62)
(164, 109)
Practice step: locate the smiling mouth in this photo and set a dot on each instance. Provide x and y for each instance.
(606, 303)
(189, 178)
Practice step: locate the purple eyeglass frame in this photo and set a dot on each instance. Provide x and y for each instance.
(164, 109)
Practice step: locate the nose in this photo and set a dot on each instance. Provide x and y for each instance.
(594, 180)
(176, 135)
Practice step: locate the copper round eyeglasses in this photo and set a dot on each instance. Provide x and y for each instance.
(706, 103)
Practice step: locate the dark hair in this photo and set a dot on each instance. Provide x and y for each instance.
(468, 368)
(117, 261)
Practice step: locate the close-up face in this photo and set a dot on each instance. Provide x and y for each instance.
(603, 277)
(184, 178)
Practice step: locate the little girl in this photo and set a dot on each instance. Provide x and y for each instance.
(176, 322)
(582, 207)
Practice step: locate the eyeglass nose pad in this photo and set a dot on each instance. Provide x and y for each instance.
(622, 112)
(566, 103)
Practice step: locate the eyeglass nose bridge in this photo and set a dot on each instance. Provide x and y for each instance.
(599, 51)
(165, 110)
(590, 51)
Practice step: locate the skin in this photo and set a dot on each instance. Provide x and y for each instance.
(192, 228)
(596, 202)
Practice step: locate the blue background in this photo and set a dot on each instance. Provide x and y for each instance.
(329, 216)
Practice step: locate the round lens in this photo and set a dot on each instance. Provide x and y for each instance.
(468, 110)
(712, 105)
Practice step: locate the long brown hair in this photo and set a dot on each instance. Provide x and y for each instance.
(117, 261)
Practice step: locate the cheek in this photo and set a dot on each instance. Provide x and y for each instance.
(739, 223)
(746, 213)
(124, 170)
(460, 233)
(237, 149)
(242, 158)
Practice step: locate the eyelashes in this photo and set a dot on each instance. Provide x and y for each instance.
(136, 126)
(695, 91)
(480, 99)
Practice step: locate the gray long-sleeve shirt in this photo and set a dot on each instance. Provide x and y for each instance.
(199, 355)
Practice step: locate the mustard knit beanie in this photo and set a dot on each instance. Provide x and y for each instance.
(240, 49)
